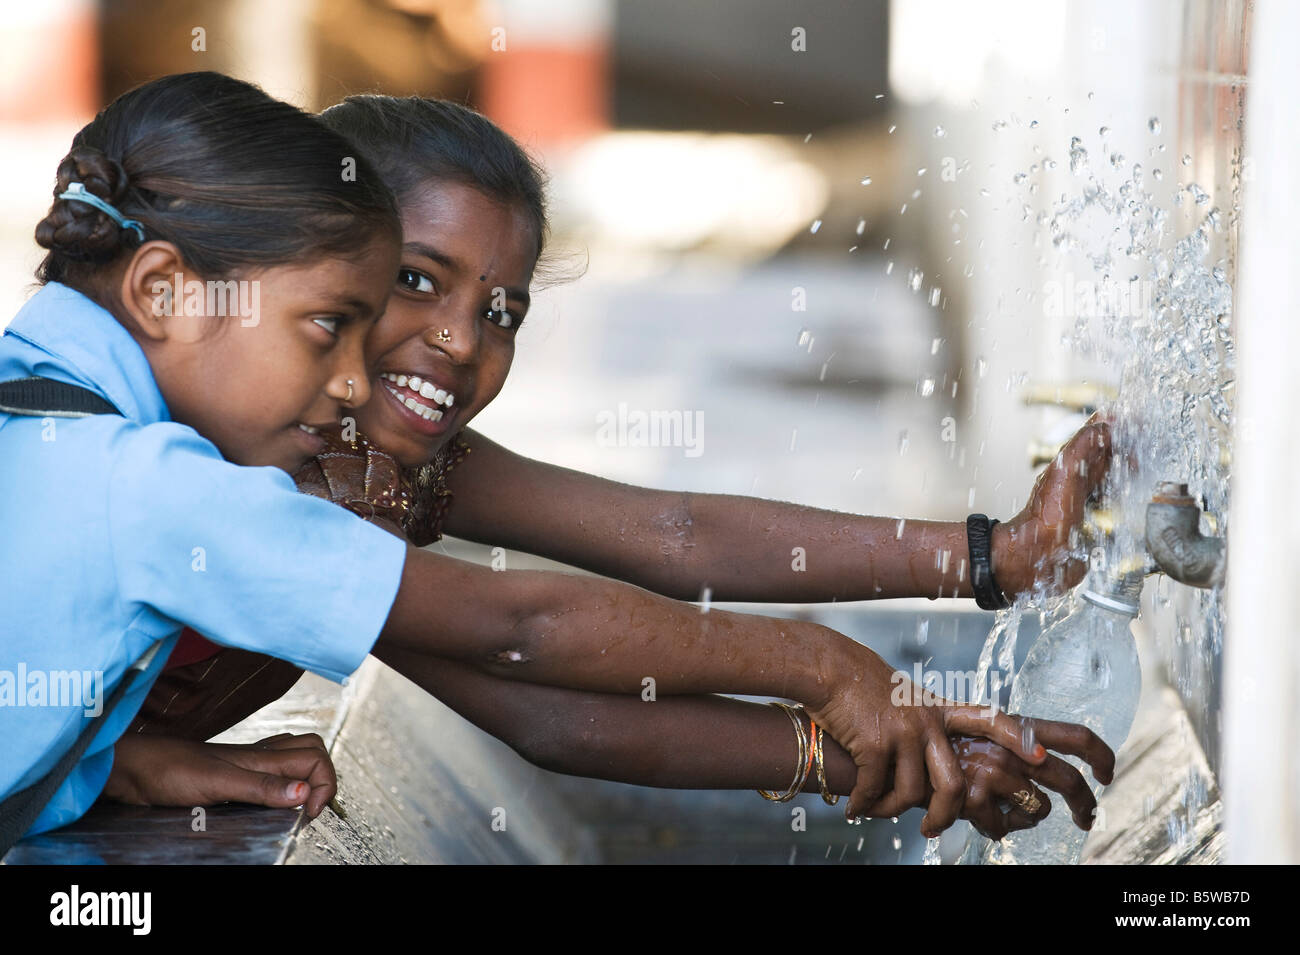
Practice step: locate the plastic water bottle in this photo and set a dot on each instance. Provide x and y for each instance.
(1083, 669)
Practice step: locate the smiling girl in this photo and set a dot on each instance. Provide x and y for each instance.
(474, 229)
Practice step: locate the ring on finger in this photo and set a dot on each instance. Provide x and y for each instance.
(1027, 800)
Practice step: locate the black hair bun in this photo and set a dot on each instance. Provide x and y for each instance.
(77, 229)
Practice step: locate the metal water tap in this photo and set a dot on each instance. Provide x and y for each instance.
(1175, 541)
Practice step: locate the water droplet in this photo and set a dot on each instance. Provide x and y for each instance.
(1103, 132)
(1033, 124)
(927, 387)
(1018, 178)
(902, 449)
(866, 180)
(981, 366)
(1049, 163)
(999, 125)
(921, 171)
(1199, 194)
(862, 225)
(1157, 174)
(891, 129)
(940, 132)
(804, 337)
(914, 278)
(1187, 159)
(984, 192)
(1078, 157)
(898, 842)
(817, 224)
(1153, 124)
(1117, 160)
(934, 296)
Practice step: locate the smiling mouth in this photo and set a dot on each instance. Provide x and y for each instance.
(422, 397)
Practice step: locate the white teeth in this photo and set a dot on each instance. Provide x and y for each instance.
(426, 389)
(309, 429)
(419, 407)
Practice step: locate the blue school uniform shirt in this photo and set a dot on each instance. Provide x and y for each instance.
(120, 530)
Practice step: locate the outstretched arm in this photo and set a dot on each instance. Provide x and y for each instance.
(713, 742)
(744, 548)
(595, 634)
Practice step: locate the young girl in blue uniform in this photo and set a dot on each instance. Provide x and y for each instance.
(179, 510)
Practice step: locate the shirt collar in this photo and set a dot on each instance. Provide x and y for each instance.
(92, 348)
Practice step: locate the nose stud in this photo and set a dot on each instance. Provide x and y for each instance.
(348, 399)
(444, 336)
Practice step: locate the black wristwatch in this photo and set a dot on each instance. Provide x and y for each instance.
(979, 540)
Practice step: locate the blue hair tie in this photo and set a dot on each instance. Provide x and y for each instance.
(77, 193)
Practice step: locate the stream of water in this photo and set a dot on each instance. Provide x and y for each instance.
(1144, 288)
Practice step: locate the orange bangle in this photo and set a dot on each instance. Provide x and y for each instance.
(812, 737)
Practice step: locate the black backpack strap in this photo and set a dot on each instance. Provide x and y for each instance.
(45, 397)
(19, 811)
(40, 398)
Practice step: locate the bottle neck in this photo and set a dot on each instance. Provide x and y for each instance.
(1118, 593)
(1116, 603)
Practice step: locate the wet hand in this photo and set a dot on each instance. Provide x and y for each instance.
(995, 778)
(885, 722)
(1034, 546)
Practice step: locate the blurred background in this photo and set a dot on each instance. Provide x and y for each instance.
(811, 228)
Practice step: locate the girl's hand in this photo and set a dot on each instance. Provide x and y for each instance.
(995, 778)
(284, 772)
(1033, 546)
(886, 721)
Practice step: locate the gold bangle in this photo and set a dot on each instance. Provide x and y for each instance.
(821, 768)
(801, 766)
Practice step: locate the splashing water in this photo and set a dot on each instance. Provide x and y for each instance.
(1147, 304)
